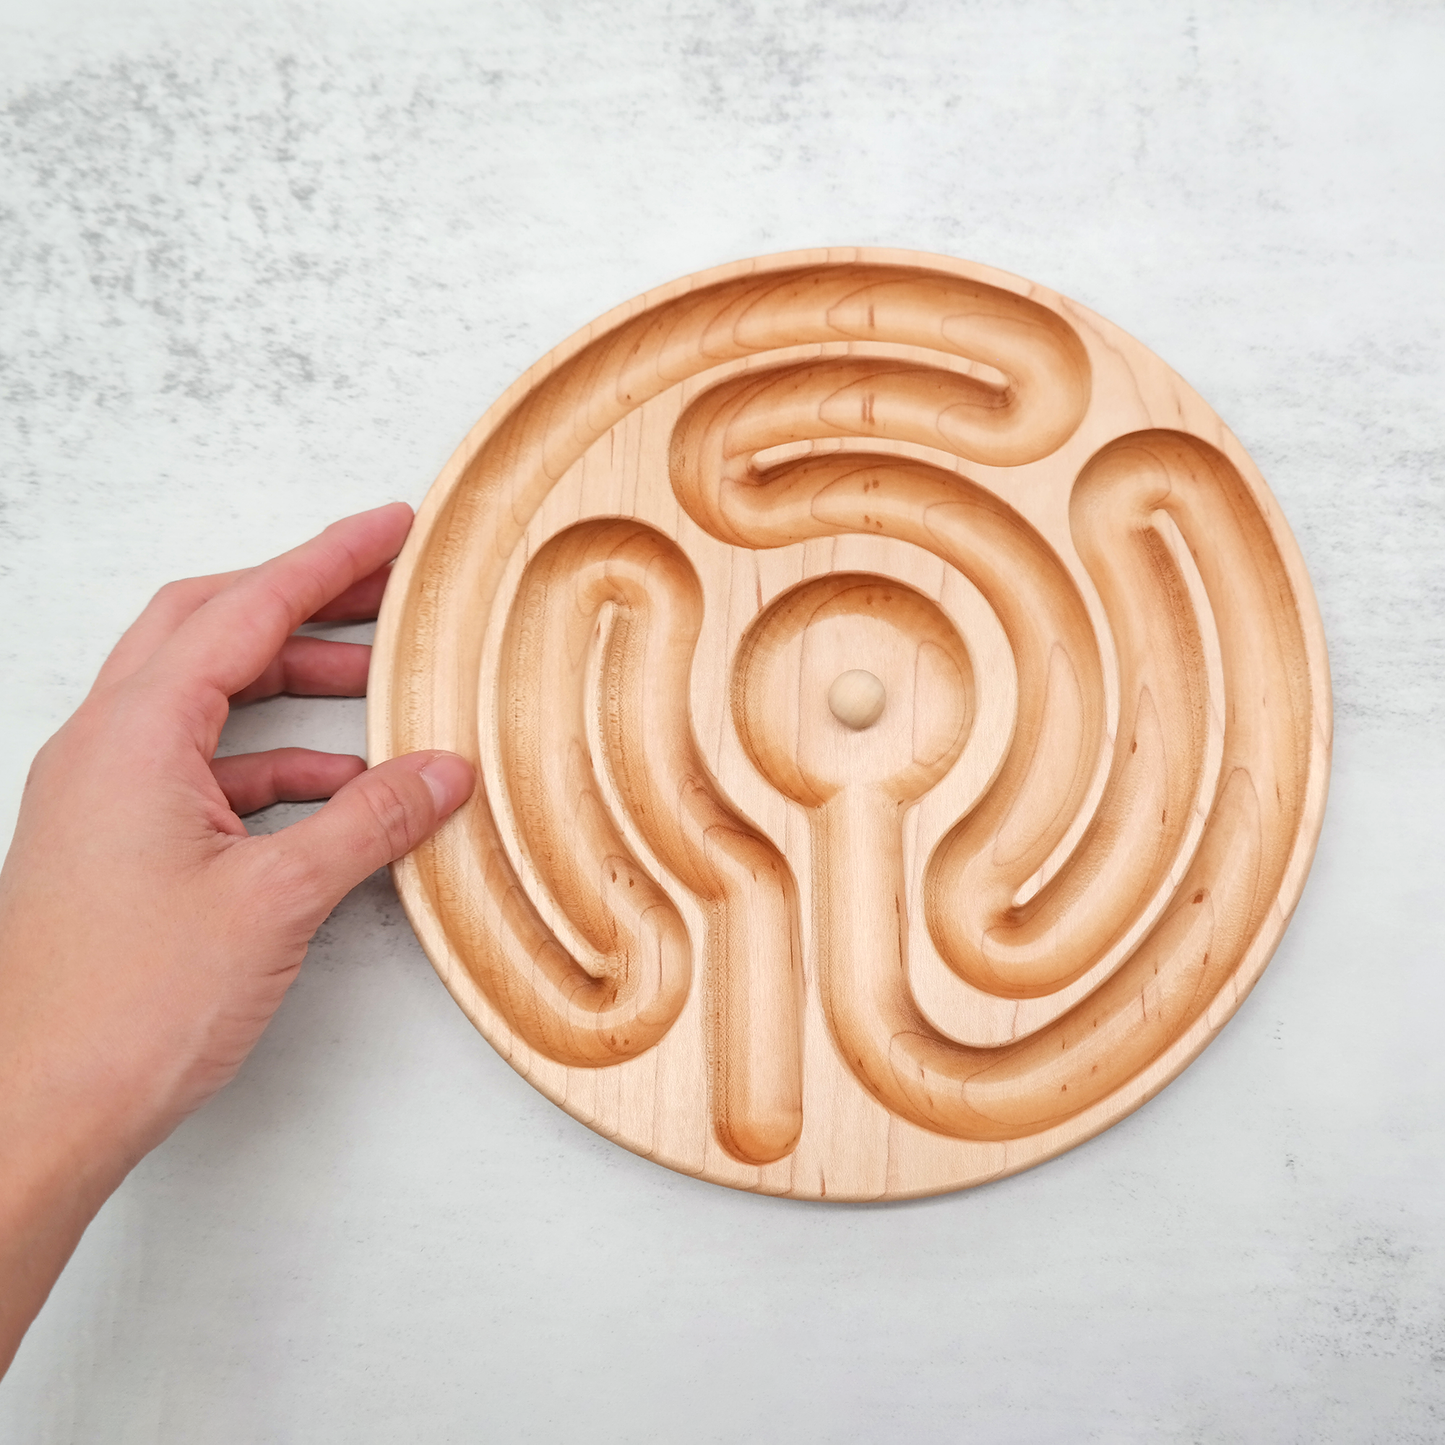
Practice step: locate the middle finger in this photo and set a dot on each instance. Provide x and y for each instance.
(311, 667)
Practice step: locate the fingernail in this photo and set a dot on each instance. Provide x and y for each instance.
(450, 780)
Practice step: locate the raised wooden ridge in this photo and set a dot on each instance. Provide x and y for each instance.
(713, 896)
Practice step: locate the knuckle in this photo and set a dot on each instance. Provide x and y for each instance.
(291, 878)
(80, 738)
(391, 814)
(177, 600)
(39, 765)
(176, 592)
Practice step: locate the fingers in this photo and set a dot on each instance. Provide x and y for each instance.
(163, 614)
(226, 643)
(284, 775)
(176, 601)
(372, 820)
(312, 667)
(359, 603)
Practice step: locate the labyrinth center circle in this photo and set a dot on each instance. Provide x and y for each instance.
(786, 675)
(684, 595)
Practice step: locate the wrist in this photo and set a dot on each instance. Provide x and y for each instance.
(61, 1157)
(75, 1118)
(85, 1089)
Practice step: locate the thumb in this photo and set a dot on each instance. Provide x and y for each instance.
(376, 818)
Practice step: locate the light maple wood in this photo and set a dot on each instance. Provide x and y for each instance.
(902, 715)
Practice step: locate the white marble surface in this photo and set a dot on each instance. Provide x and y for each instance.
(263, 264)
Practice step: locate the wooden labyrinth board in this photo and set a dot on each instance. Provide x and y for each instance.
(902, 717)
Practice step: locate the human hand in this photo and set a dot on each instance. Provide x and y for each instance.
(145, 938)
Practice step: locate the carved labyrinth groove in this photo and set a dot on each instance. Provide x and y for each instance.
(902, 714)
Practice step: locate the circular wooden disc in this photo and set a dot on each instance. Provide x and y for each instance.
(789, 953)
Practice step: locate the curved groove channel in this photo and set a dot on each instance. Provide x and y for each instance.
(468, 895)
(1132, 843)
(753, 947)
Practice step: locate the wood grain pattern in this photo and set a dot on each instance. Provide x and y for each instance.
(903, 720)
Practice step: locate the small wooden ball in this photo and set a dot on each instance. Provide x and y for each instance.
(857, 699)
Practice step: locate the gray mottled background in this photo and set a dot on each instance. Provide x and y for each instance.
(263, 264)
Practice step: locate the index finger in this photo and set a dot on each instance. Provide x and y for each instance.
(228, 641)
(175, 602)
